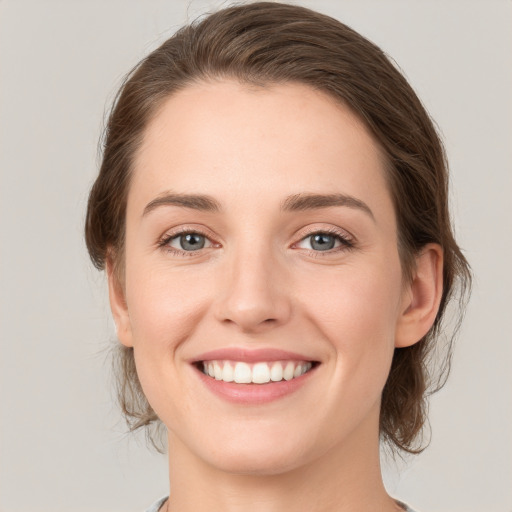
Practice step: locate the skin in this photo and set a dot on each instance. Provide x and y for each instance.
(259, 283)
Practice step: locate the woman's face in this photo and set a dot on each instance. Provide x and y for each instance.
(261, 244)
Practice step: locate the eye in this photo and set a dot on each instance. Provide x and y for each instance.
(322, 241)
(188, 242)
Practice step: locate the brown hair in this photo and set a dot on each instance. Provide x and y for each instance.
(268, 43)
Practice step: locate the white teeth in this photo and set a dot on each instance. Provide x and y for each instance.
(289, 371)
(276, 372)
(243, 373)
(228, 373)
(260, 373)
(217, 370)
(257, 373)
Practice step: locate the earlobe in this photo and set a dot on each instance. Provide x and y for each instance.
(422, 297)
(118, 306)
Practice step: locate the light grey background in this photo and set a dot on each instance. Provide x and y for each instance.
(62, 446)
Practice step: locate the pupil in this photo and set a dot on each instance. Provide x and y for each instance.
(322, 242)
(192, 241)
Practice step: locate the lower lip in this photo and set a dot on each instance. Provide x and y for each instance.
(254, 394)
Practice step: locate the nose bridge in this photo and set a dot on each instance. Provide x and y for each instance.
(252, 292)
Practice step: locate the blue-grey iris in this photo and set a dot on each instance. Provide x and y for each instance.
(192, 241)
(322, 242)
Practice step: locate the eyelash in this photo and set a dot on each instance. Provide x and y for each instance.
(167, 238)
(347, 243)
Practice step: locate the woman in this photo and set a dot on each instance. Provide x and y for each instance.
(271, 211)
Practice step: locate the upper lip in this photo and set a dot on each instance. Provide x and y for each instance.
(250, 356)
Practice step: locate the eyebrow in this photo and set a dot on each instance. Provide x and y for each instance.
(306, 201)
(196, 202)
(293, 203)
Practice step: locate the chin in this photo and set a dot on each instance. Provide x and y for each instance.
(258, 464)
(258, 455)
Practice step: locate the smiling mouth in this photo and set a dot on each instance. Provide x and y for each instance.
(254, 373)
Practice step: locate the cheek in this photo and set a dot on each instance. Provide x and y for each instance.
(354, 300)
(164, 305)
(165, 308)
(356, 311)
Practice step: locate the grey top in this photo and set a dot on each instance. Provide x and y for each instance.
(156, 506)
(405, 506)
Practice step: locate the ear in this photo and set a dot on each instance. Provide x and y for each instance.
(421, 297)
(118, 306)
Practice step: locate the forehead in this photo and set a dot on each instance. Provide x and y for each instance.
(236, 141)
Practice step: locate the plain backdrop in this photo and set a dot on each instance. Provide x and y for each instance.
(62, 444)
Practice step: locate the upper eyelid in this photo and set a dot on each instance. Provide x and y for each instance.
(336, 231)
(172, 233)
(346, 241)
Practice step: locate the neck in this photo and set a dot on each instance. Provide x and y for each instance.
(344, 479)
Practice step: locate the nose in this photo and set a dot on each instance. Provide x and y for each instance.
(252, 293)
